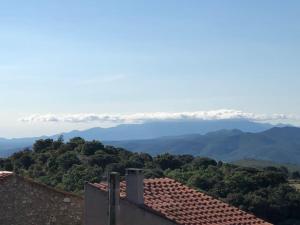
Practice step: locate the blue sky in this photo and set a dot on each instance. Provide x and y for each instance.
(125, 57)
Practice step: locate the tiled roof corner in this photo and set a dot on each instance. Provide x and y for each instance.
(187, 206)
(5, 174)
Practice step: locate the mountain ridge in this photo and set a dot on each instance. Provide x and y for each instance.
(140, 131)
(280, 145)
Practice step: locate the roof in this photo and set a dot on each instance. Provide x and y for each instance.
(4, 174)
(187, 206)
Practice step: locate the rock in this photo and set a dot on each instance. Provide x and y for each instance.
(67, 200)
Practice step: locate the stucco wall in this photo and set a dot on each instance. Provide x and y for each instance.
(23, 202)
(96, 211)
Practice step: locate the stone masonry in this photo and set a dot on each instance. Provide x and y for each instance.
(25, 202)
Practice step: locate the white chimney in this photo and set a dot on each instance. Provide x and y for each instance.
(135, 185)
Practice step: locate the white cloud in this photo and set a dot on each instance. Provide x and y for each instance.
(157, 116)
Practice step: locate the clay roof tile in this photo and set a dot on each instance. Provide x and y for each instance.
(187, 206)
(4, 175)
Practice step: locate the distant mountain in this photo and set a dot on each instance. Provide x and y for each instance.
(276, 144)
(166, 128)
(141, 131)
(9, 146)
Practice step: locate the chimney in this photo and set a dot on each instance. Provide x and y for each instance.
(114, 197)
(135, 185)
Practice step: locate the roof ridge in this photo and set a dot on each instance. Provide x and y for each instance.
(6, 174)
(186, 205)
(5, 171)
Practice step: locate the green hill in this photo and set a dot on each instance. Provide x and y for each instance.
(263, 163)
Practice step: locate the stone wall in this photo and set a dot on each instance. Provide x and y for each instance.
(96, 211)
(24, 202)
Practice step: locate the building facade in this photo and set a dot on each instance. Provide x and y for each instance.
(96, 211)
(24, 202)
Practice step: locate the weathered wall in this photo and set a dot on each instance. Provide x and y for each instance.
(23, 202)
(96, 211)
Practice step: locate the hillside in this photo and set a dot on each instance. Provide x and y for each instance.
(69, 165)
(263, 163)
(140, 131)
(276, 144)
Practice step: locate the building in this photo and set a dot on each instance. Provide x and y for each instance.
(160, 201)
(137, 201)
(24, 201)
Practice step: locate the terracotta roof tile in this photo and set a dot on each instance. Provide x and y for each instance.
(187, 206)
(4, 174)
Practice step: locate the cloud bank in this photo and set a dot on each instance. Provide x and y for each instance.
(156, 116)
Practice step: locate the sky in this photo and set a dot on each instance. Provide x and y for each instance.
(77, 59)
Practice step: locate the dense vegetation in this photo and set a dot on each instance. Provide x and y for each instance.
(260, 164)
(264, 192)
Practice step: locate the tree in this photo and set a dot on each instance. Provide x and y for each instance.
(26, 161)
(102, 159)
(270, 178)
(89, 148)
(67, 160)
(76, 141)
(205, 181)
(153, 173)
(185, 159)
(167, 161)
(136, 161)
(42, 145)
(202, 162)
(296, 175)
(116, 167)
(43, 157)
(6, 164)
(75, 178)
(60, 140)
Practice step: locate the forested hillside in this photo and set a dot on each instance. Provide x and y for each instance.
(264, 192)
(279, 144)
(263, 163)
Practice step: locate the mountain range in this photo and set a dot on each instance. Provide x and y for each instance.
(226, 140)
(278, 144)
(140, 131)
